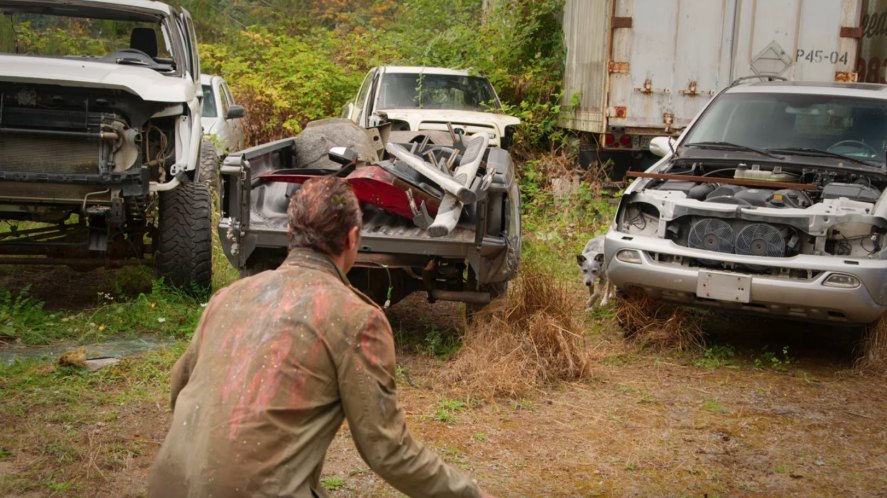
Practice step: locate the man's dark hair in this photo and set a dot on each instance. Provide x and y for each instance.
(320, 214)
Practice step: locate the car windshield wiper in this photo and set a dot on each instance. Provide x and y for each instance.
(731, 146)
(130, 61)
(807, 151)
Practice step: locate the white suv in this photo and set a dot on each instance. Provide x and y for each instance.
(222, 119)
(431, 99)
(771, 202)
(100, 138)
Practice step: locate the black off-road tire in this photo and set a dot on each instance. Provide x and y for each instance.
(184, 246)
(208, 169)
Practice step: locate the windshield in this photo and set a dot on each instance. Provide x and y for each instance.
(436, 91)
(116, 41)
(786, 123)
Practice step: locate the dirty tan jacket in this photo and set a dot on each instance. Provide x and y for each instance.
(277, 362)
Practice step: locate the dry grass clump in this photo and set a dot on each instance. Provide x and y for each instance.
(872, 351)
(531, 339)
(657, 325)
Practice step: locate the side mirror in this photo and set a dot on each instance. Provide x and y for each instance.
(662, 146)
(342, 155)
(235, 111)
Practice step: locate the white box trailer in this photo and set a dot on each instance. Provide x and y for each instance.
(640, 68)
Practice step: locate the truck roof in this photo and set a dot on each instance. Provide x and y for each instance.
(112, 9)
(425, 69)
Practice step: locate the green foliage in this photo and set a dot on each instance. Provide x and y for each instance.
(65, 36)
(439, 342)
(775, 360)
(283, 81)
(164, 312)
(333, 483)
(559, 224)
(292, 62)
(22, 317)
(446, 410)
(716, 356)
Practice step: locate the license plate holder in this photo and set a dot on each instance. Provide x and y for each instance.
(724, 286)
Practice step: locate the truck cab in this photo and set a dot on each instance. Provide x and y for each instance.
(414, 98)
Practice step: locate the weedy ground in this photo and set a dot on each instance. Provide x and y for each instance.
(534, 397)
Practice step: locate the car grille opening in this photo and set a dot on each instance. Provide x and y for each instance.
(22, 153)
(708, 264)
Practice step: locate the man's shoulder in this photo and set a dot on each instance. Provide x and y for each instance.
(333, 283)
(363, 297)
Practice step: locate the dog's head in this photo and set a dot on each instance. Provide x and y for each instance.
(592, 265)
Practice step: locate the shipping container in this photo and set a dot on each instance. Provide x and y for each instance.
(636, 69)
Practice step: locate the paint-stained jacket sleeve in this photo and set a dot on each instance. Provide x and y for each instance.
(181, 371)
(368, 393)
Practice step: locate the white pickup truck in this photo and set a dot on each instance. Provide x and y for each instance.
(414, 98)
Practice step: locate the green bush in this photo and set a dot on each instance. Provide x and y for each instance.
(290, 64)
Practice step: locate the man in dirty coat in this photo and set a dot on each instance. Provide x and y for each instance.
(278, 360)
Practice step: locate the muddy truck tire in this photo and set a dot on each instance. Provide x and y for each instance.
(184, 248)
(208, 169)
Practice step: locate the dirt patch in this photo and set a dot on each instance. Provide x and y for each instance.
(771, 408)
(62, 288)
(651, 425)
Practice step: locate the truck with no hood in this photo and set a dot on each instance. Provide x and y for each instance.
(100, 138)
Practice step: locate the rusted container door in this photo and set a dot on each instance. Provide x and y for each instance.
(674, 53)
(586, 35)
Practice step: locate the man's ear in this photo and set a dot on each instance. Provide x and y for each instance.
(353, 237)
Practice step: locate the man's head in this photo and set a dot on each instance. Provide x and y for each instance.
(324, 214)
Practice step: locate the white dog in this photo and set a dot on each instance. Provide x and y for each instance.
(591, 261)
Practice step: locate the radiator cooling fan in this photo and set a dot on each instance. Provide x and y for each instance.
(760, 239)
(711, 234)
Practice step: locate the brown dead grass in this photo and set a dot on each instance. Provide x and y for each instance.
(531, 339)
(872, 352)
(659, 326)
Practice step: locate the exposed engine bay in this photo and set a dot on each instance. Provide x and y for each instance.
(760, 209)
(79, 132)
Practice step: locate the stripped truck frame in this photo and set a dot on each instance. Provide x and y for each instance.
(444, 219)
